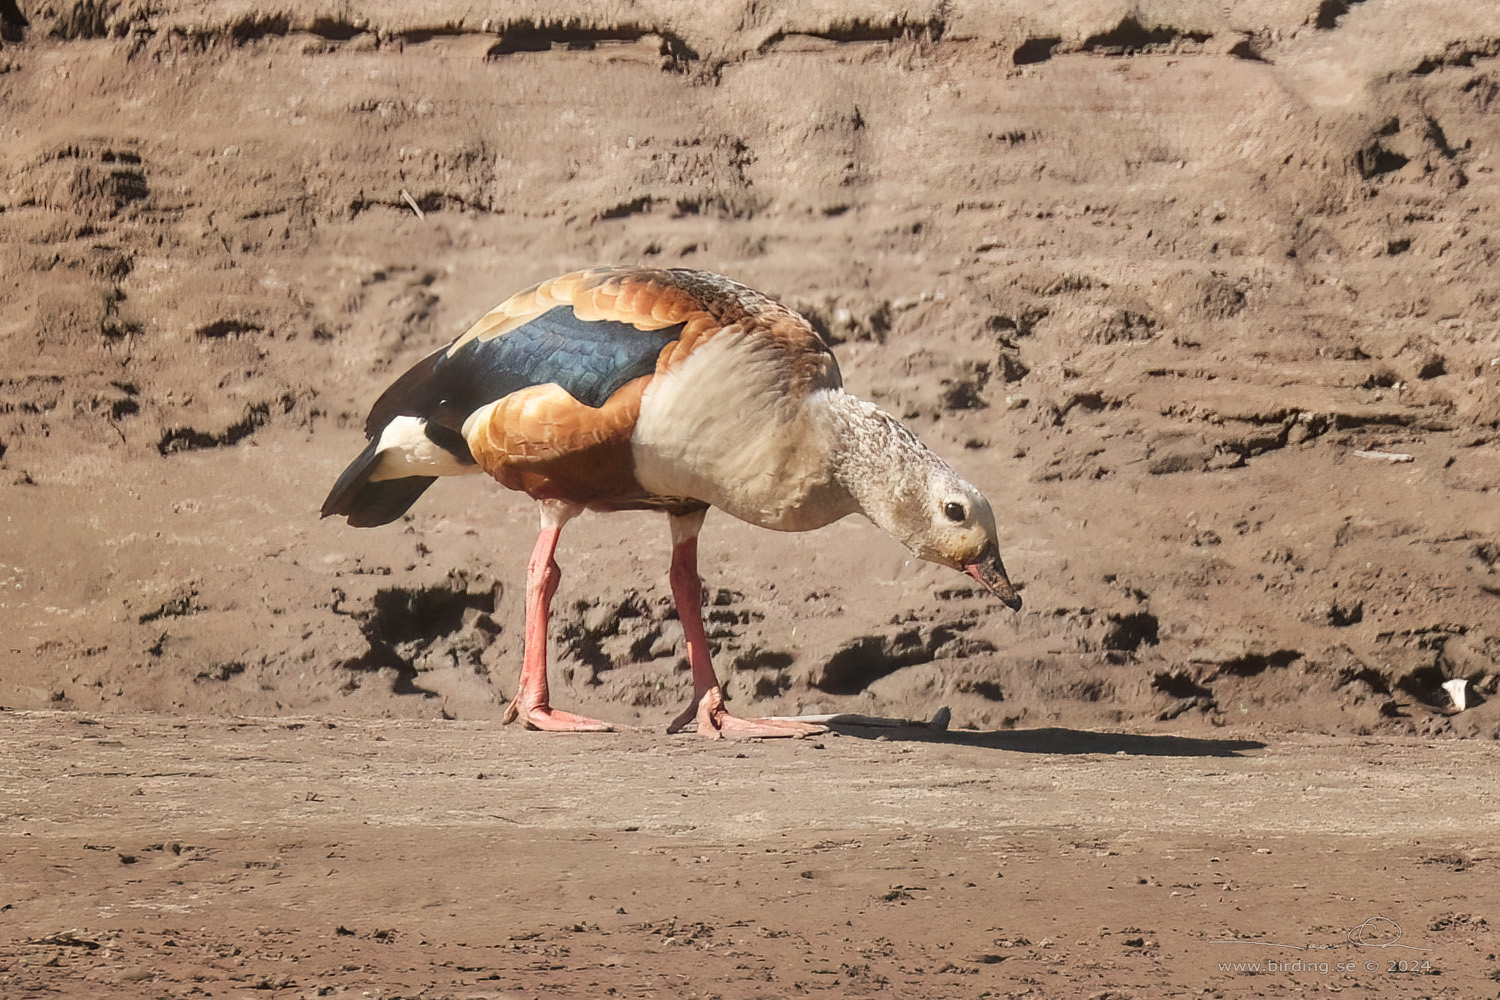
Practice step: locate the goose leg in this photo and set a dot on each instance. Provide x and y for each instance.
(530, 704)
(707, 707)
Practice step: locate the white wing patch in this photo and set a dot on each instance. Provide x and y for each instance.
(406, 450)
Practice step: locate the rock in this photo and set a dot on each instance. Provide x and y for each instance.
(1165, 465)
(1011, 368)
(1225, 459)
(1335, 614)
(1468, 656)
(1219, 298)
(1432, 365)
(1123, 325)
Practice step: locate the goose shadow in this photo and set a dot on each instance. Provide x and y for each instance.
(1054, 740)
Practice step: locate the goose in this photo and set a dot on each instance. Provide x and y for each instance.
(671, 390)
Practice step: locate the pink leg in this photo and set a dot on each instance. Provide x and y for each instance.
(707, 707)
(530, 704)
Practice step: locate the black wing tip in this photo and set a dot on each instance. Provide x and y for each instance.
(370, 505)
(351, 480)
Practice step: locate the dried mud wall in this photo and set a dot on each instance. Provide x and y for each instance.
(1159, 277)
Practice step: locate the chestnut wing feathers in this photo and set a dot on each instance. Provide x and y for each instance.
(590, 360)
(544, 392)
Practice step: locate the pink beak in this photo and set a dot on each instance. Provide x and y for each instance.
(989, 571)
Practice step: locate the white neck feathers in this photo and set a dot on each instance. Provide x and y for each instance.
(883, 467)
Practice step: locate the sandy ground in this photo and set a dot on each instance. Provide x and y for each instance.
(149, 856)
(1204, 297)
(1155, 285)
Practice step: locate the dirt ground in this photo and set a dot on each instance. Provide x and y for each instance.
(155, 856)
(1204, 296)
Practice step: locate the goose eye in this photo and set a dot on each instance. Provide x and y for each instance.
(955, 512)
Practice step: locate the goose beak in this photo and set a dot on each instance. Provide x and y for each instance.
(990, 572)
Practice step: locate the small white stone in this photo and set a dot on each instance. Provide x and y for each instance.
(1458, 690)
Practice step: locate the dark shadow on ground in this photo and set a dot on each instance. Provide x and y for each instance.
(1056, 741)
